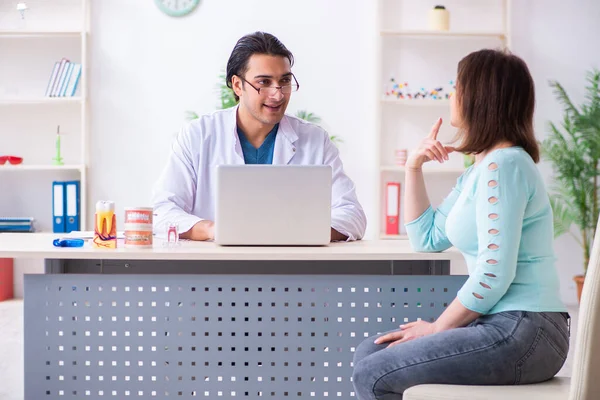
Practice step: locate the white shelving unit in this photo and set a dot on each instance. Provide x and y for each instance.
(383, 236)
(426, 169)
(41, 33)
(406, 47)
(443, 34)
(33, 167)
(40, 100)
(30, 46)
(417, 103)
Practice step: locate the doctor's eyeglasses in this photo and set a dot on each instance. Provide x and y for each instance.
(272, 90)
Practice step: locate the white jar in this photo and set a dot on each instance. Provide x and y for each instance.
(439, 19)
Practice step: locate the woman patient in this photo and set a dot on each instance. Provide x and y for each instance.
(507, 325)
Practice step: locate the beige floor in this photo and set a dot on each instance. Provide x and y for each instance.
(11, 349)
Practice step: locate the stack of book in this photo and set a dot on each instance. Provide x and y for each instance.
(16, 224)
(64, 79)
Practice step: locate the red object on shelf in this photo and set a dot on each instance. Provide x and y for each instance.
(6, 279)
(14, 160)
(392, 214)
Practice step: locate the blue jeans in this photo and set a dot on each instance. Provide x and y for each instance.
(508, 348)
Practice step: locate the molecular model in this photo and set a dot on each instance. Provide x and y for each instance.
(402, 91)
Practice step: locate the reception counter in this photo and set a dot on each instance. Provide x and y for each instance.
(205, 321)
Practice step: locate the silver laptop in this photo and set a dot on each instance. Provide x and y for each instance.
(273, 205)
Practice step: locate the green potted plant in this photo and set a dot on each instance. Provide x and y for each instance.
(315, 119)
(227, 100)
(226, 95)
(574, 152)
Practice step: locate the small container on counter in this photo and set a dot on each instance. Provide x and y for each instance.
(138, 227)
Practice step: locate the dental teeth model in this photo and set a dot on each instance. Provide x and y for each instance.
(105, 225)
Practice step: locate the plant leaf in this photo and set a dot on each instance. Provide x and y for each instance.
(573, 148)
(563, 97)
(191, 115)
(562, 217)
(226, 94)
(308, 116)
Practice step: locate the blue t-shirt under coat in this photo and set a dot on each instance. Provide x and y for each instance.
(262, 155)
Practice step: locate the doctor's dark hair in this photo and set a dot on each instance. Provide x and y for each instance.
(254, 43)
(495, 100)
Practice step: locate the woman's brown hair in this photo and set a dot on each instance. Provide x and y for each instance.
(496, 100)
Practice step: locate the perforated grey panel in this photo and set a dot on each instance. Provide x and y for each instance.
(211, 336)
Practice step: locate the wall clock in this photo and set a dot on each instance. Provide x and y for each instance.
(177, 8)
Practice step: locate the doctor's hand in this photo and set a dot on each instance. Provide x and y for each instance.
(410, 331)
(337, 237)
(203, 230)
(429, 149)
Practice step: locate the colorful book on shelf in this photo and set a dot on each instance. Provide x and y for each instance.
(53, 76)
(16, 224)
(63, 79)
(63, 85)
(55, 84)
(73, 80)
(17, 219)
(17, 228)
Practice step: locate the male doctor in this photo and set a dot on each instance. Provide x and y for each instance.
(257, 131)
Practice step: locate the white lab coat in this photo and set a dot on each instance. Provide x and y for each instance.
(185, 191)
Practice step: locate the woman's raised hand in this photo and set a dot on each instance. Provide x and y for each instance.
(429, 149)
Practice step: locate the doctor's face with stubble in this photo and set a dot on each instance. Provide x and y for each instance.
(260, 89)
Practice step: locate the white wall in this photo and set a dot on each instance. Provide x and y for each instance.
(558, 40)
(147, 69)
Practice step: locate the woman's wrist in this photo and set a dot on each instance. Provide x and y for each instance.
(437, 327)
(414, 164)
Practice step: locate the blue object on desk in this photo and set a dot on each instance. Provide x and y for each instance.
(68, 242)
